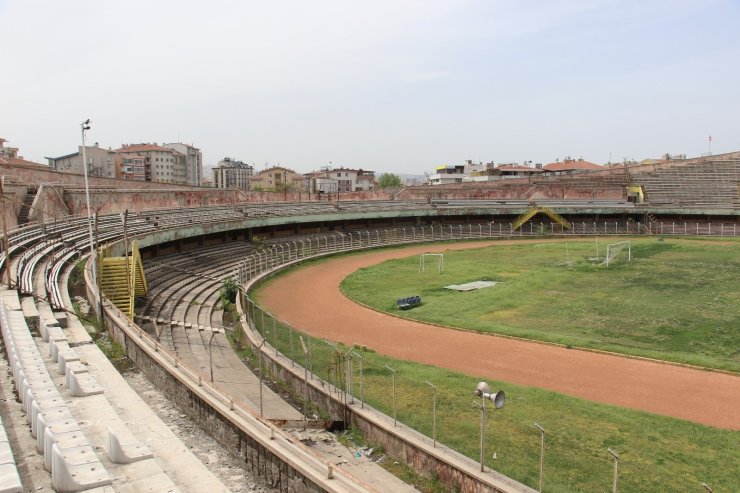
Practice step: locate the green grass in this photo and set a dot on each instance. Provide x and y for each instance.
(657, 454)
(678, 300)
(695, 279)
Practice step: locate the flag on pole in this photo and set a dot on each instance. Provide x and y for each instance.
(710, 138)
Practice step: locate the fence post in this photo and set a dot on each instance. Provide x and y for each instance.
(616, 469)
(259, 349)
(542, 453)
(362, 380)
(393, 373)
(348, 384)
(306, 349)
(290, 342)
(434, 412)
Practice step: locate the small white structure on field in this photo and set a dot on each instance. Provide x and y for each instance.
(613, 249)
(440, 262)
(470, 286)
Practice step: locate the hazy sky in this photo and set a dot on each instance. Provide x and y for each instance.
(400, 85)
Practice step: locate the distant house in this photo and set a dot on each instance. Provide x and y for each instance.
(9, 155)
(479, 172)
(341, 180)
(277, 179)
(446, 175)
(569, 165)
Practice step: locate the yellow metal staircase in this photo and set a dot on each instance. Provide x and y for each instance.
(532, 211)
(121, 285)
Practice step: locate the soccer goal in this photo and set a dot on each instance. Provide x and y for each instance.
(613, 249)
(440, 261)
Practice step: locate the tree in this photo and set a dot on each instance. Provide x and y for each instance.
(229, 289)
(389, 180)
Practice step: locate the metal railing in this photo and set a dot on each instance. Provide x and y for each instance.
(529, 455)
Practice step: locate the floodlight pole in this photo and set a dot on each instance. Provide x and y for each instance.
(85, 126)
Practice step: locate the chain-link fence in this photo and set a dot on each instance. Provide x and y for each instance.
(280, 252)
(543, 456)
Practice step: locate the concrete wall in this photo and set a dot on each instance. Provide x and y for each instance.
(48, 205)
(276, 471)
(16, 195)
(406, 445)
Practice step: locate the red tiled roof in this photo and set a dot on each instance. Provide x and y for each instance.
(15, 160)
(571, 165)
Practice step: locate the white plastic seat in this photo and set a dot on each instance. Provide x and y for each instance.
(76, 469)
(126, 453)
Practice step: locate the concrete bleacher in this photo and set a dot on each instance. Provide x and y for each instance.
(710, 184)
(86, 437)
(73, 467)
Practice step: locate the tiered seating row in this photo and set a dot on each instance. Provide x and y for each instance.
(68, 455)
(711, 184)
(10, 481)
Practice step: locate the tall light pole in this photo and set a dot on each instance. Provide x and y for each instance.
(85, 126)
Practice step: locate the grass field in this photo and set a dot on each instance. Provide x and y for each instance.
(678, 300)
(658, 454)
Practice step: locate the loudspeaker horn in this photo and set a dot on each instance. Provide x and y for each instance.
(482, 388)
(498, 399)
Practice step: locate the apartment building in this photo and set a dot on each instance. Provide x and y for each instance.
(100, 162)
(193, 162)
(131, 166)
(230, 173)
(161, 164)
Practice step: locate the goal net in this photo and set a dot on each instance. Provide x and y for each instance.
(440, 261)
(613, 250)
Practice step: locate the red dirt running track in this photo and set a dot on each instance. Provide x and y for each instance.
(317, 306)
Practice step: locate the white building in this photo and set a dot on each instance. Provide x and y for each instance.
(347, 180)
(193, 162)
(447, 175)
(230, 173)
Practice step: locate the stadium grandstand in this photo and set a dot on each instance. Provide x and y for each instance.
(162, 254)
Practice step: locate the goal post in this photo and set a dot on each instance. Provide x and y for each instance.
(613, 249)
(440, 261)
